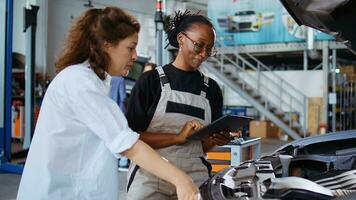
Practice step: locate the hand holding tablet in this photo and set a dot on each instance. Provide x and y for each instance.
(227, 124)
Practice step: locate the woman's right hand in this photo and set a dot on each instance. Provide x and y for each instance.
(188, 129)
(186, 189)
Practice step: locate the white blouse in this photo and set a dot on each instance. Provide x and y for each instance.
(78, 137)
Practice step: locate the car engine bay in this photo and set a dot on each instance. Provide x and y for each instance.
(319, 167)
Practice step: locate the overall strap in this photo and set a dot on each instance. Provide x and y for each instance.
(205, 86)
(162, 77)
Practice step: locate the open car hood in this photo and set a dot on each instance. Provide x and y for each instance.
(321, 167)
(320, 143)
(335, 17)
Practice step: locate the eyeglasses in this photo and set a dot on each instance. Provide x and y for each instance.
(198, 47)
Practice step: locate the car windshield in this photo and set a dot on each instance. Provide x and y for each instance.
(249, 12)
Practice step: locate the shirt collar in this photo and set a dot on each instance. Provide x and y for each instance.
(86, 63)
(107, 79)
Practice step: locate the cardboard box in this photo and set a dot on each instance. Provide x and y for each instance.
(351, 77)
(315, 113)
(348, 69)
(264, 129)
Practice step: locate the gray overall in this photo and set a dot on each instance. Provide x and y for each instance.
(174, 109)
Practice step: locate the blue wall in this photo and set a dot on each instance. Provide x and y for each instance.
(266, 21)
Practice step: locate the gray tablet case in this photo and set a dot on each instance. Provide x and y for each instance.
(227, 123)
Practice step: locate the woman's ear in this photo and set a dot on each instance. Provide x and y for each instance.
(180, 39)
(106, 46)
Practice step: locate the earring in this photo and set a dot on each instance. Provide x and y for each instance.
(180, 48)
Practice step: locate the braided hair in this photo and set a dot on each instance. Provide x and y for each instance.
(182, 22)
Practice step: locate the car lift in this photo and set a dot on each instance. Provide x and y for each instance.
(6, 31)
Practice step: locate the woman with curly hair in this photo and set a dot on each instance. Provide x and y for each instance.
(81, 132)
(166, 98)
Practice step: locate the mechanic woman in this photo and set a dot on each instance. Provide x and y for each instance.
(165, 98)
(80, 130)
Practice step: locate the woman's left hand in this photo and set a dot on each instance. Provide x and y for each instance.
(224, 138)
(220, 139)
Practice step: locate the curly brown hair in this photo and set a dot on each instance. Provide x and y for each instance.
(88, 34)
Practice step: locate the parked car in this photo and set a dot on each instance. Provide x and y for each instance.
(245, 21)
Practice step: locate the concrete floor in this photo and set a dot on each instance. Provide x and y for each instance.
(9, 182)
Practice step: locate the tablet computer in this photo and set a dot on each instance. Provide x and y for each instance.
(227, 123)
